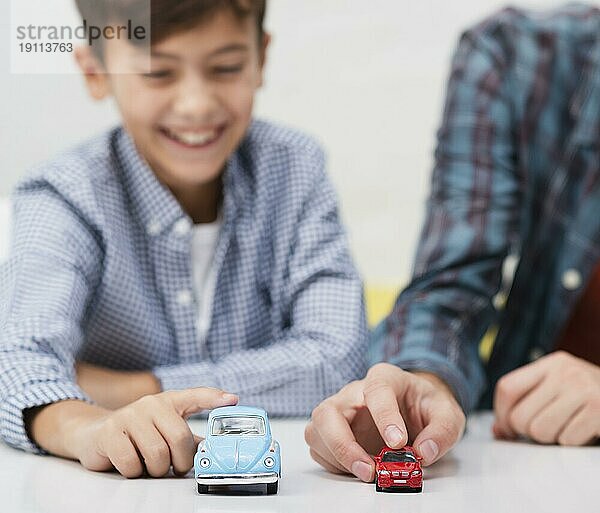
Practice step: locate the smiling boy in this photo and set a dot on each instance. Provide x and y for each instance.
(191, 250)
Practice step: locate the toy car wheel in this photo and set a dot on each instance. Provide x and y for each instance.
(378, 488)
(202, 488)
(272, 488)
(420, 489)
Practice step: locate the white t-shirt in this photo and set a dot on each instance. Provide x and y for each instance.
(204, 243)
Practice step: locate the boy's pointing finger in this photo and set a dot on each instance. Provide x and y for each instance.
(193, 400)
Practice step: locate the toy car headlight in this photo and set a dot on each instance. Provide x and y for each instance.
(269, 462)
(384, 472)
(205, 462)
(416, 472)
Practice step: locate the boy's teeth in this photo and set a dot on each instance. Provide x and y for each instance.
(194, 138)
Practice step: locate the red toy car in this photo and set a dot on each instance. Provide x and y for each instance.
(398, 469)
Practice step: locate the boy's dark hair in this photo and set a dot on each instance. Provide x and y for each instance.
(167, 17)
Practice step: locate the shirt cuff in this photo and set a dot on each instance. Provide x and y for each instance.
(431, 362)
(12, 423)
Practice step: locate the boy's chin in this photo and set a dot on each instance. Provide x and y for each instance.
(192, 176)
(187, 172)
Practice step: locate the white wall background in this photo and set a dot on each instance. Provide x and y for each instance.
(366, 77)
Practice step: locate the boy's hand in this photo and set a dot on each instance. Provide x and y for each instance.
(150, 434)
(555, 399)
(385, 406)
(114, 389)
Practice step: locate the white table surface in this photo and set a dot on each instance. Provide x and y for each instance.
(480, 474)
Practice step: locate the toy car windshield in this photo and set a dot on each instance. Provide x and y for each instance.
(238, 426)
(398, 457)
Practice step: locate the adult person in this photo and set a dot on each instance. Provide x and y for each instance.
(517, 172)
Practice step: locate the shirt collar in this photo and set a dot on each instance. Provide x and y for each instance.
(153, 203)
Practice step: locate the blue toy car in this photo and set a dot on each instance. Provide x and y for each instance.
(238, 450)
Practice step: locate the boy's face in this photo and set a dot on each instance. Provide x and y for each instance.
(189, 112)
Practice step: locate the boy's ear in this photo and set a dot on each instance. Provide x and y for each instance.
(266, 41)
(94, 73)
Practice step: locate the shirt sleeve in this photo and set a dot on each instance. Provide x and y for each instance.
(45, 288)
(471, 222)
(322, 346)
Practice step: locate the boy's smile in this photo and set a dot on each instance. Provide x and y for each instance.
(190, 138)
(187, 113)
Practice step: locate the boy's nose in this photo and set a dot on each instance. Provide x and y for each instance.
(195, 99)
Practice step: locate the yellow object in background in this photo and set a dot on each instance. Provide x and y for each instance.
(487, 343)
(379, 300)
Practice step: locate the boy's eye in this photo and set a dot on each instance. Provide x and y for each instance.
(228, 70)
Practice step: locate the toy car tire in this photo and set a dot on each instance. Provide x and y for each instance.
(202, 488)
(272, 488)
(378, 488)
(420, 489)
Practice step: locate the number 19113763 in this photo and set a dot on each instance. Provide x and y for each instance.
(46, 47)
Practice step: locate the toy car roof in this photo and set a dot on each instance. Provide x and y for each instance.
(237, 411)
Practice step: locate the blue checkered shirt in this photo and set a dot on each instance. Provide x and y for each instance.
(517, 172)
(99, 272)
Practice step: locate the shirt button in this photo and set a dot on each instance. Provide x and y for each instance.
(184, 297)
(182, 227)
(499, 301)
(153, 228)
(571, 279)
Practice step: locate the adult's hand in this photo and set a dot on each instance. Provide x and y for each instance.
(389, 405)
(555, 399)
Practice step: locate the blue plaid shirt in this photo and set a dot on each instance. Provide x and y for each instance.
(100, 272)
(517, 172)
